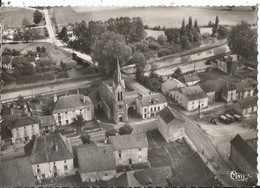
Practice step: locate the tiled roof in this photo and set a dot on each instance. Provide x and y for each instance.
(168, 117)
(243, 86)
(245, 150)
(153, 98)
(94, 97)
(106, 94)
(129, 141)
(44, 149)
(247, 102)
(212, 85)
(96, 158)
(130, 97)
(5, 131)
(154, 176)
(191, 77)
(23, 121)
(172, 83)
(71, 102)
(193, 92)
(16, 173)
(46, 121)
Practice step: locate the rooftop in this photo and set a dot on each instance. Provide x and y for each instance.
(48, 148)
(247, 102)
(193, 92)
(212, 85)
(23, 121)
(94, 97)
(130, 141)
(152, 98)
(71, 102)
(191, 77)
(96, 158)
(172, 83)
(46, 121)
(245, 150)
(168, 117)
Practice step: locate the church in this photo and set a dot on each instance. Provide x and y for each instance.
(116, 99)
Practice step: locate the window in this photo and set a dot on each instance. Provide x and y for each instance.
(144, 109)
(192, 102)
(24, 127)
(158, 107)
(154, 108)
(32, 125)
(36, 177)
(17, 129)
(37, 165)
(119, 154)
(120, 107)
(66, 112)
(151, 109)
(54, 163)
(43, 175)
(65, 167)
(67, 121)
(140, 149)
(65, 161)
(38, 170)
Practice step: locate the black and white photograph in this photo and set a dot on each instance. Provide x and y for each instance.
(128, 96)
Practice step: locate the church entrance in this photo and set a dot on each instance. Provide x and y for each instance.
(120, 119)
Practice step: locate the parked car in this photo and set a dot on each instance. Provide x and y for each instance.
(224, 119)
(214, 121)
(237, 117)
(232, 118)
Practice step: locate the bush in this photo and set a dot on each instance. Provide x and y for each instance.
(63, 74)
(49, 76)
(164, 52)
(126, 129)
(154, 45)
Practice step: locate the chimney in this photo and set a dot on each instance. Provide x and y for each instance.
(55, 98)
(56, 147)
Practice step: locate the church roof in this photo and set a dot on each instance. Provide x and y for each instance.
(118, 76)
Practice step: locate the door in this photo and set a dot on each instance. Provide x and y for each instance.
(120, 119)
(130, 161)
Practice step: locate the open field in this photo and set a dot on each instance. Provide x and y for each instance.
(13, 17)
(154, 16)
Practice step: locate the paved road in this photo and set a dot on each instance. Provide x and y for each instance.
(47, 89)
(202, 142)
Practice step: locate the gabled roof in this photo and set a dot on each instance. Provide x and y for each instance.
(247, 102)
(130, 97)
(154, 176)
(118, 80)
(96, 158)
(23, 122)
(106, 94)
(46, 121)
(130, 141)
(243, 86)
(71, 102)
(193, 92)
(191, 77)
(245, 150)
(153, 98)
(172, 83)
(5, 131)
(44, 149)
(94, 97)
(212, 85)
(168, 117)
(16, 173)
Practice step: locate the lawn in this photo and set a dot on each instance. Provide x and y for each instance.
(154, 16)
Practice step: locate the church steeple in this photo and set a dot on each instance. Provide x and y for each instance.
(118, 77)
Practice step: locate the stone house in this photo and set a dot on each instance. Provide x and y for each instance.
(244, 90)
(130, 149)
(229, 92)
(23, 129)
(246, 106)
(96, 163)
(170, 127)
(51, 157)
(190, 79)
(69, 106)
(191, 98)
(170, 84)
(47, 124)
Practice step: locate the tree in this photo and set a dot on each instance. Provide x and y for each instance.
(186, 45)
(79, 120)
(20, 100)
(125, 129)
(63, 65)
(215, 26)
(37, 17)
(177, 73)
(25, 23)
(139, 60)
(63, 35)
(173, 35)
(85, 138)
(242, 40)
(183, 28)
(111, 132)
(161, 39)
(108, 48)
(222, 32)
(28, 69)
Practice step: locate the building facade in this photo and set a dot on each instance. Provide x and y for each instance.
(68, 107)
(130, 149)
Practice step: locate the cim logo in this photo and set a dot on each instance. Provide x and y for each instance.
(238, 176)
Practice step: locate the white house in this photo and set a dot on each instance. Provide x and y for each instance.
(130, 149)
(68, 107)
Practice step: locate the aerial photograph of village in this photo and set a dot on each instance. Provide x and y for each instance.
(128, 96)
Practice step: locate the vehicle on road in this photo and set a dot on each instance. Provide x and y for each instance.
(231, 118)
(237, 117)
(214, 121)
(224, 119)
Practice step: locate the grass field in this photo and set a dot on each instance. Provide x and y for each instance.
(154, 16)
(13, 17)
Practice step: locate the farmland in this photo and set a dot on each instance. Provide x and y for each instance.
(154, 16)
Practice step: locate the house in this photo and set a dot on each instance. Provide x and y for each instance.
(213, 88)
(118, 99)
(244, 156)
(24, 129)
(16, 172)
(244, 90)
(191, 98)
(7, 62)
(246, 106)
(169, 126)
(170, 84)
(130, 149)
(190, 79)
(47, 124)
(69, 30)
(229, 92)
(69, 106)
(96, 163)
(154, 177)
(35, 109)
(6, 134)
(150, 105)
(51, 157)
